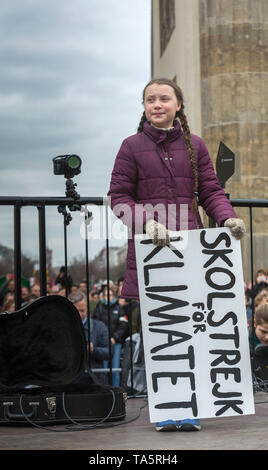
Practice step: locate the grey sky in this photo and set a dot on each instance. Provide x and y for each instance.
(72, 74)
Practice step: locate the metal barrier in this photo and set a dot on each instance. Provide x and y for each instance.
(250, 204)
(41, 202)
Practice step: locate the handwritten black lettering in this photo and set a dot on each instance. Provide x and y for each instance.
(178, 357)
(170, 319)
(224, 356)
(222, 236)
(171, 303)
(199, 305)
(215, 254)
(218, 394)
(220, 286)
(181, 404)
(147, 267)
(229, 404)
(174, 376)
(182, 337)
(198, 316)
(219, 262)
(226, 371)
(165, 288)
(227, 316)
(218, 295)
(153, 252)
(199, 328)
(156, 249)
(225, 336)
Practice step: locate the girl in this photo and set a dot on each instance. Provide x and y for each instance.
(164, 165)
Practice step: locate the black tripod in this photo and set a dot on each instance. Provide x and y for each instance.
(75, 205)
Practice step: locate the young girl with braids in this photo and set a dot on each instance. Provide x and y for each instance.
(163, 165)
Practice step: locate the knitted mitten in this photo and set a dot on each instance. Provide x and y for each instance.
(236, 226)
(157, 232)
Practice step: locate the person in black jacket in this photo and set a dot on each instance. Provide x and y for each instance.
(261, 282)
(64, 280)
(117, 322)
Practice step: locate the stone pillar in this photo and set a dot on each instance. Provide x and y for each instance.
(175, 51)
(234, 98)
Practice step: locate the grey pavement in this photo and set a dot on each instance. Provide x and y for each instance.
(248, 432)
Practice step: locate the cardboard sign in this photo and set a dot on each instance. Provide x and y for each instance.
(194, 326)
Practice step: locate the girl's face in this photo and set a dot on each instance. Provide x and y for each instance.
(161, 105)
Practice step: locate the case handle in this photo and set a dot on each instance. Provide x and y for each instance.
(9, 416)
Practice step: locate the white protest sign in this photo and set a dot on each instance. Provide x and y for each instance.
(194, 326)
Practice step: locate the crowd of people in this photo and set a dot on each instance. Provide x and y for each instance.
(256, 297)
(117, 328)
(257, 294)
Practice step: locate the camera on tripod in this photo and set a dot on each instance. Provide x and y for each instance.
(67, 165)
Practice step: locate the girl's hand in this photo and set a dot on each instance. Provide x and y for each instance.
(157, 232)
(237, 227)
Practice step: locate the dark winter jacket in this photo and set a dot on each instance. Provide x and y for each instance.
(100, 339)
(119, 329)
(257, 288)
(153, 167)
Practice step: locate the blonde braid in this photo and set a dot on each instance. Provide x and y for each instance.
(189, 145)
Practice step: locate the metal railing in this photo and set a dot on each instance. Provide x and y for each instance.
(250, 204)
(61, 202)
(41, 202)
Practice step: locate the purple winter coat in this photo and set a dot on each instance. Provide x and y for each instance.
(154, 167)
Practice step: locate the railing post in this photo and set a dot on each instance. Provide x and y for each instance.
(17, 254)
(252, 285)
(131, 347)
(42, 249)
(108, 293)
(211, 223)
(87, 284)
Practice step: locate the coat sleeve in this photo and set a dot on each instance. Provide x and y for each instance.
(122, 330)
(122, 192)
(211, 195)
(101, 347)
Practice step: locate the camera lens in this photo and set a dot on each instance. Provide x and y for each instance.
(74, 161)
(67, 165)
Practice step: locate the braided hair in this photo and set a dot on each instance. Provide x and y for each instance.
(185, 127)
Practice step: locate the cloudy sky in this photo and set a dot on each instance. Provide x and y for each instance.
(72, 74)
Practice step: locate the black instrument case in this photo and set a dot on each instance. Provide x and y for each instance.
(42, 356)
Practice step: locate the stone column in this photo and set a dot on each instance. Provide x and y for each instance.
(175, 51)
(234, 100)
